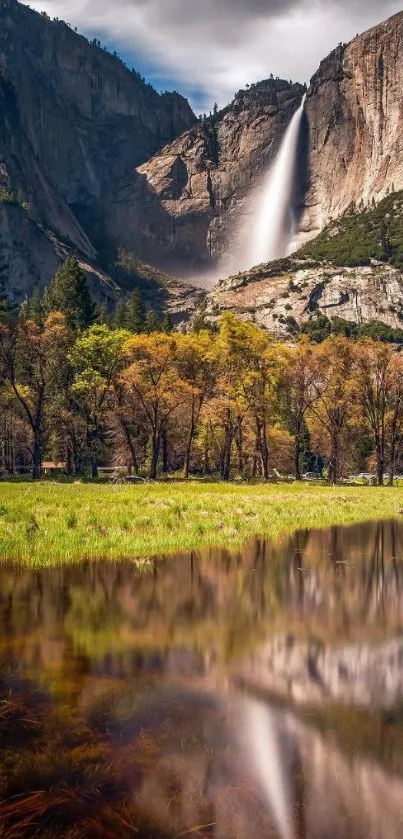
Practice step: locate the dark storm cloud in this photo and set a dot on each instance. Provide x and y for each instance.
(217, 46)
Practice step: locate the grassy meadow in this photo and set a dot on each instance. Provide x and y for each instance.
(44, 524)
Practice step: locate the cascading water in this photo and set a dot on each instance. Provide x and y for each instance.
(265, 231)
(273, 222)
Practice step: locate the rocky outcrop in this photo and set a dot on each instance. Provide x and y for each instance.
(182, 208)
(93, 159)
(278, 295)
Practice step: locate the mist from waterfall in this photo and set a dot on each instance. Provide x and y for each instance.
(273, 220)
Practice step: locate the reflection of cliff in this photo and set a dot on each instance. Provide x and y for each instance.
(356, 674)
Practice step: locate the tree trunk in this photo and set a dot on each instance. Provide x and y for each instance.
(94, 466)
(257, 453)
(188, 450)
(239, 445)
(130, 444)
(206, 468)
(392, 465)
(334, 459)
(265, 452)
(380, 464)
(69, 464)
(155, 451)
(165, 452)
(226, 457)
(297, 454)
(36, 457)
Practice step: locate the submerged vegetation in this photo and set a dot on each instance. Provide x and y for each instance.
(47, 524)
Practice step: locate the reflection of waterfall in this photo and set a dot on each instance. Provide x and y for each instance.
(273, 220)
(267, 752)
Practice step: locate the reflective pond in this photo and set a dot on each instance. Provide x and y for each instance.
(253, 694)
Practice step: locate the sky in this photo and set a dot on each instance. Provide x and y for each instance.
(208, 49)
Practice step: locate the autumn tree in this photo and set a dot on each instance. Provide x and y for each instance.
(380, 377)
(153, 378)
(334, 397)
(264, 364)
(197, 366)
(303, 394)
(30, 356)
(96, 358)
(228, 406)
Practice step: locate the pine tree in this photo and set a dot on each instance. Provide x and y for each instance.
(135, 319)
(119, 317)
(69, 294)
(199, 321)
(167, 325)
(152, 322)
(35, 306)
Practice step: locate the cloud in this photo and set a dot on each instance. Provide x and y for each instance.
(210, 48)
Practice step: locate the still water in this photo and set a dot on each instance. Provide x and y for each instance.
(253, 694)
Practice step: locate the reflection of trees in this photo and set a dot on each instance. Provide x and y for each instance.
(349, 578)
(344, 582)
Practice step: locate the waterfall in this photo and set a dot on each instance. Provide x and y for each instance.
(273, 222)
(265, 230)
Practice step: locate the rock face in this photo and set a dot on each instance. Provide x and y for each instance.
(74, 121)
(293, 290)
(187, 204)
(354, 119)
(182, 208)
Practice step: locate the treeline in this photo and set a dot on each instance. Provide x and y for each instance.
(232, 402)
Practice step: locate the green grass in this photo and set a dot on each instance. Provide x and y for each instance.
(48, 523)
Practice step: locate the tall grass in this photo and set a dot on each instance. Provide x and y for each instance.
(48, 523)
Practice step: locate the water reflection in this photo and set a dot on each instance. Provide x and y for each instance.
(233, 695)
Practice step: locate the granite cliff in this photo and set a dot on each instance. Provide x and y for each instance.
(182, 208)
(73, 120)
(187, 204)
(354, 120)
